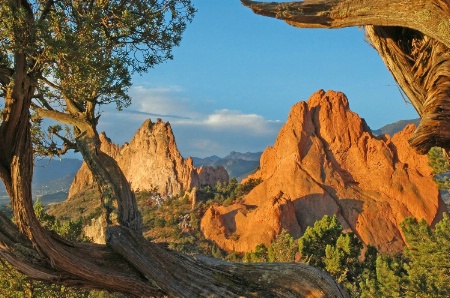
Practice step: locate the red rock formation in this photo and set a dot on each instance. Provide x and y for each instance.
(326, 161)
(152, 160)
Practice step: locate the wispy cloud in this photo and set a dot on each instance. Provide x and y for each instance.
(234, 121)
(198, 133)
(224, 131)
(167, 101)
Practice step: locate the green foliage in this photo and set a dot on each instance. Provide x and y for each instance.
(227, 192)
(423, 270)
(438, 161)
(341, 259)
(312, 244)
(71, 230)
(244, 188)
(428, 253)
(283, 248)
(389, 274)
(261, 254)
(326, 246)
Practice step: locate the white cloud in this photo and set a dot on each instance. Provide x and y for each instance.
(167, 101)
(234, 121)
(224, 131)
(197, 133)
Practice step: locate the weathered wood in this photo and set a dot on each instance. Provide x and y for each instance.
(421, 66)
(179, 275)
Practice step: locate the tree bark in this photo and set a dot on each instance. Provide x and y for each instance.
(412, 38)
(114, 187)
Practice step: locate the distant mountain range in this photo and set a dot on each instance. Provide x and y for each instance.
(395, 127)
(239, 165)
(51, 180)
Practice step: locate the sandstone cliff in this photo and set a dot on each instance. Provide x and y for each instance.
(326, 161)
(152, 161)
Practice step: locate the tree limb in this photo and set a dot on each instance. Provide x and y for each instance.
(59, 116)
(179, 275)
(420, 15)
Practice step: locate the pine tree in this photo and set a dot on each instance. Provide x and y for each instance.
(312, 244)
(438, 161)
(428, 252)
(283, 249)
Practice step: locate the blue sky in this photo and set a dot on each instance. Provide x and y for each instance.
(236, 75)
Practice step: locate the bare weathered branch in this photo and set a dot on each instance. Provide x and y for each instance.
(59, 116)
(179, 275)
(428, 17)
(421, 65)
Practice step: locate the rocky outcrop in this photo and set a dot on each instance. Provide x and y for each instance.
(326, 161)
(208, 175)
(151, 161)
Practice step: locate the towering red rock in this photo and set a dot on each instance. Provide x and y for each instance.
(152, 160)
(326, 161)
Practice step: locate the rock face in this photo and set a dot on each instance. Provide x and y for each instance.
(152, 161)
(326, 161)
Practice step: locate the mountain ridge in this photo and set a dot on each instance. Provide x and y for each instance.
(239, 165)
(395, 127)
